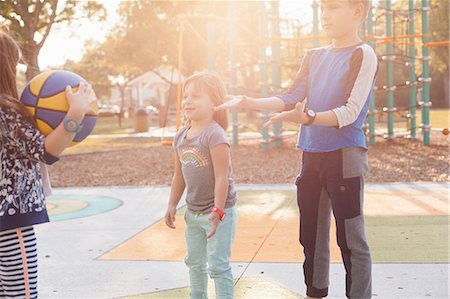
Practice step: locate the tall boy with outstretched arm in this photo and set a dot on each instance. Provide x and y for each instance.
(331, 98)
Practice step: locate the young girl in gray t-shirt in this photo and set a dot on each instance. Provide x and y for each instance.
(203, 168)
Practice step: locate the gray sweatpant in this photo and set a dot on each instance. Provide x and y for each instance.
(333, 181)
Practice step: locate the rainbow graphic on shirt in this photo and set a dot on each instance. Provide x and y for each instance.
(192, 156)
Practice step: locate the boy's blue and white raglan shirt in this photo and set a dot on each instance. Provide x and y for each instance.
(337, 79)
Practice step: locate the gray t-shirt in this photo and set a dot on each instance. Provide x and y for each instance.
(197, 167)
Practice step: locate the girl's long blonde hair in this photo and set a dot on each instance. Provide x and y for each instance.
(213, 86)
(9, 58)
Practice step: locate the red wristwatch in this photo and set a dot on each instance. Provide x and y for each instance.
(219, 212)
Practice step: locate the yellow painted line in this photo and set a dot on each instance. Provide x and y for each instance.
(65, 206)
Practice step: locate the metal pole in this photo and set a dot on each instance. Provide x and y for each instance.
(180, 71)
(372, 109)
(233, 75)
(211, 44)
(263, 69)
(412, 70)
(315, 7)
(390, 72)
(276, 65)
(425, 103)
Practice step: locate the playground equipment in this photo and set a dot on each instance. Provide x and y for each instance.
(281, 46)
(404, 54)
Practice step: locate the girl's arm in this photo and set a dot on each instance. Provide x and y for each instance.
(220, 156)
(28, 141)
(176, 191)
(79, 105)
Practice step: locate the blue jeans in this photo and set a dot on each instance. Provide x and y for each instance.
(215, 252)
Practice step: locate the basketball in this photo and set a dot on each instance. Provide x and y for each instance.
(45, 98)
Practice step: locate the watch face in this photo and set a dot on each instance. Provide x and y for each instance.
(311, 113)
(72, 125)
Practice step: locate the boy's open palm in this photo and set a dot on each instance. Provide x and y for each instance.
(297, 115)
(232, 102)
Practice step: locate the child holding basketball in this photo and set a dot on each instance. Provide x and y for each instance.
(331, 99)
(22, 199)
(203, 168)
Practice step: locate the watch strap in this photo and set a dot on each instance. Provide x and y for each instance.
(310, 118)
(219, 212)
(68, 122)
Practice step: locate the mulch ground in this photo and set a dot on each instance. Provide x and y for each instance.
(399, 160)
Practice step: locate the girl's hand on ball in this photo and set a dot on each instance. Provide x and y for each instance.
(81, 100)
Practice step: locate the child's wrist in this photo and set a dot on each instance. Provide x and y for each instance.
(249, 102)
(219, 212)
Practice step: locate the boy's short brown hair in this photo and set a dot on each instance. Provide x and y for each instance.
(367, 4)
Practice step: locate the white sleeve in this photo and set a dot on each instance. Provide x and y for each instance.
(363, 68)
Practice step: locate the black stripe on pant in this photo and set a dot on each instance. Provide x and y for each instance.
(18, 263)
(333, 181)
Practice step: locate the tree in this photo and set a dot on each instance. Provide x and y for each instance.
(31, 21)
(93, 67)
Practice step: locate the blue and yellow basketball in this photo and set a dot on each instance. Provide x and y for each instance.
(45, 98)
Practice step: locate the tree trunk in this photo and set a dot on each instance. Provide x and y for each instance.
(122, 102)
(30, 54)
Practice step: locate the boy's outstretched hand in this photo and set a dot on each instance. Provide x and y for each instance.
(231, 101)
(296, 115)
(215, 220)
(170, 217)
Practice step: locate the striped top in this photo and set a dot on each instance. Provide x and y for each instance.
(337, 79)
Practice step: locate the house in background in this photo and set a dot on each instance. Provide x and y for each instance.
(149, 89)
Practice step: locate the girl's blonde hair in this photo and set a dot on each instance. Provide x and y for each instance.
(213, 86)
(9, 58)
(367, 5)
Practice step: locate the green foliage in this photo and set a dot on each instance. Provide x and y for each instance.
(30, 22)
(439, 31)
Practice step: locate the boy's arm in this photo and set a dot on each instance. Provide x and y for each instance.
(298, 90)
(268, 104)
(363, 69)
(326, 118)
(286, 101)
